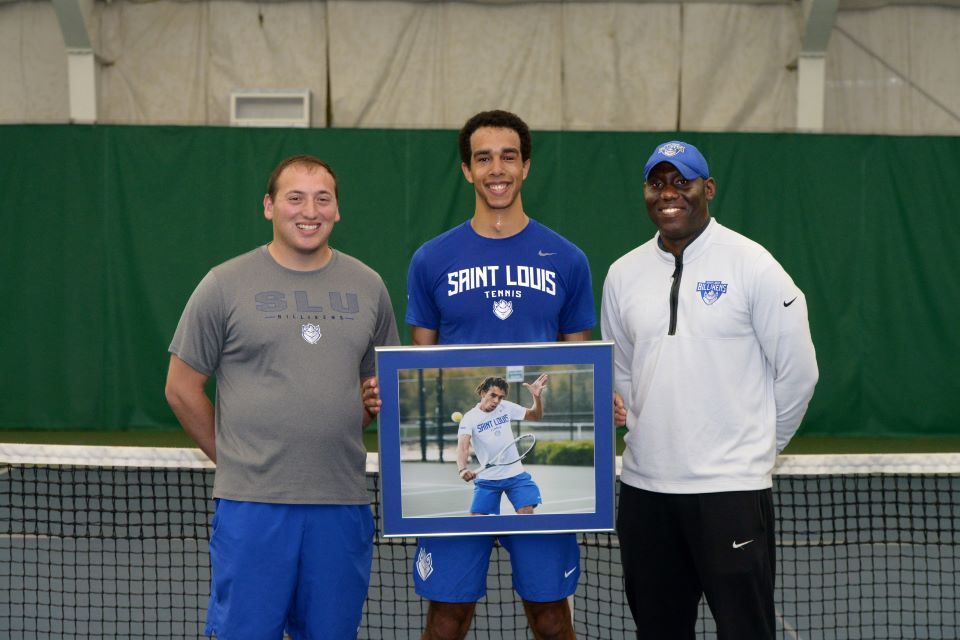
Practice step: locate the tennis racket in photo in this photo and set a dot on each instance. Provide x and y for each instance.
(515, 451)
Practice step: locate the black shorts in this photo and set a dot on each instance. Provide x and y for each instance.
(677, 547)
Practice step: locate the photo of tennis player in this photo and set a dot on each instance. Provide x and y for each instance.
(487, 428)
(495, 440)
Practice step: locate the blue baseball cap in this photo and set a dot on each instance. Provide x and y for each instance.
(684, 156)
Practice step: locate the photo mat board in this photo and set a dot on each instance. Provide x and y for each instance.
(430, 400)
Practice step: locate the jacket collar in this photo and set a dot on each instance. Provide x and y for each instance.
(693, 250)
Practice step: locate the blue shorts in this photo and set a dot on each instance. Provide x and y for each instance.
(546, 566)
(521, 491)
(303, 568)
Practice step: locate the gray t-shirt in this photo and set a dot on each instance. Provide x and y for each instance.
(288, 350)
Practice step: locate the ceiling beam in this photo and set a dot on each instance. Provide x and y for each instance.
(81, 61)
(819, 16)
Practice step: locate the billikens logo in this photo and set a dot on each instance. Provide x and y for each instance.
(424, 564)
(711, 290)
(310, 332)
(338, 307)
(502, 309)
(671, 149)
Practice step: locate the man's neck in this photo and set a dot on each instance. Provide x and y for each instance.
(300, 261)
(678, 247)
(499, 223)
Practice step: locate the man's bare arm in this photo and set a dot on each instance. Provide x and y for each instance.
(463, 457)
(422, 336)
(186, 396)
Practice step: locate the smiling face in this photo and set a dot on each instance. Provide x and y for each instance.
(496, 169)
(677, 206)
(491, 398)
(303, 211)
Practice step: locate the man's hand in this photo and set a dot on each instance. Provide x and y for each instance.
(619, 411)
(535, 412)
(538, 386)
(466, 475)
(370, 396)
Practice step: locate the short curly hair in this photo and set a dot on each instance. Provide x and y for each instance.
(499, 120)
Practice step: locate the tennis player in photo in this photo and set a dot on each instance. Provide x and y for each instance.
(487, 428)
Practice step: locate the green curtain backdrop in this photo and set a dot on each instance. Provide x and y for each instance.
(107, 229)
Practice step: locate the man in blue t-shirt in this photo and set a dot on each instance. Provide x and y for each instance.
(498, 277)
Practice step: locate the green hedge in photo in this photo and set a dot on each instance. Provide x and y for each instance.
(570, 453)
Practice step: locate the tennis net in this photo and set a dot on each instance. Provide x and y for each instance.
(111, 542)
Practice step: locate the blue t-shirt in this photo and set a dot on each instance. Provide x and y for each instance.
(530, 287)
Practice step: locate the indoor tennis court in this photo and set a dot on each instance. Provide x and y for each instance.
(136, 138)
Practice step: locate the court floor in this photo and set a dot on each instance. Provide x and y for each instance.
(433, 489)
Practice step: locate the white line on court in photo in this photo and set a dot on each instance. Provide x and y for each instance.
(431, 490)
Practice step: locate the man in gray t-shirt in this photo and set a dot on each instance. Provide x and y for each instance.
(288, 330)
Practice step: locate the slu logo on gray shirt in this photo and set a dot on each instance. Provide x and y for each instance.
(275, 301)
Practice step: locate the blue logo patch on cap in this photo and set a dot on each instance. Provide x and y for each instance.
(671, 149)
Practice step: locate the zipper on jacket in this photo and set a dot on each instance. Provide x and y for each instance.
(675, 293)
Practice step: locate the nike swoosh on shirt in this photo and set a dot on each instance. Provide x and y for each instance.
(787, 304)
(566, 574)
(544, 254)
(737, 545)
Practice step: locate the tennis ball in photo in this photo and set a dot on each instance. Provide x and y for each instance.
(456, 416)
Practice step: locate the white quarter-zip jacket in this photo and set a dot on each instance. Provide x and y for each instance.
(713, 358)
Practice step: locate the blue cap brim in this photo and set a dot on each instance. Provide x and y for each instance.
(687, 172)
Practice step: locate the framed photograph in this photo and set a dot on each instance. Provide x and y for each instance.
(496, 439)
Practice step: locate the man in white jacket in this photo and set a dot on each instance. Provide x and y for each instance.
(716, 367)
